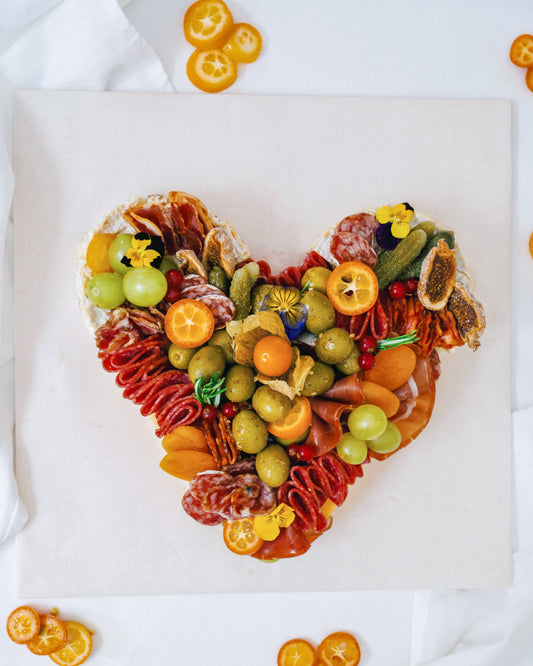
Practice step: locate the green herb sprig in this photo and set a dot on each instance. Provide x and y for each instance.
(389, 343)
(209, 392)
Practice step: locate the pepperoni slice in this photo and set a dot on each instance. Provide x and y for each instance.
(346, 246)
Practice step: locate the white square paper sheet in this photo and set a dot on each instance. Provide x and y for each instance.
(104, 519)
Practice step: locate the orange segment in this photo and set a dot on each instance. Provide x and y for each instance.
(296, 652)
(339, 649)
(52, 636)
(207, 23)
(189, 323)
(240, 538)
(97, 256)
(352, 288)
(23, 624)
(521, 53)
(295, 423)
(78, 647)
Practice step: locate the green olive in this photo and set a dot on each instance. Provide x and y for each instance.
(333, 345)
(317, 277)
(240, 384)
(318, 380)
(272, 465)
(320, 312)
(222, 339)
(180, 357)
(350, 365)
(270, 405)
(206, 362)
(249, 431)
(258, 296)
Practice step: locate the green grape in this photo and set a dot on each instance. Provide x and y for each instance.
(351, 449)
(144, 286)
(367, 421)
(167, 264)
(389, 440)
(118, 248)
(105, 290)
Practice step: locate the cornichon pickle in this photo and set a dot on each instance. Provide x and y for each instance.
(240, 288)
(414, 268)
(403, 254)
(258, 296)
(218, 278)
(428, 226)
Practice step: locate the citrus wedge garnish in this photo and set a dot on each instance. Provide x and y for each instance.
(78, 647)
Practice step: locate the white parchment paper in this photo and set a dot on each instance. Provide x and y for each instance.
(104, 519)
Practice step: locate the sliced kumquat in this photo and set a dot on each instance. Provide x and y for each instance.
(521, 53)
(23, 624)
(529, 78)
(78, 648)
(295, 423)
(207, 23)
(339, 649)
(211, 71)
(97, 255)
(297, 652)
(189, 323)
(240, 538)
(352, 288)
(272, 355)
(244, 43)
(52, 636)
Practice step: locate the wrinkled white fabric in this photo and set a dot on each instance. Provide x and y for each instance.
(486, 627)
(53, 44)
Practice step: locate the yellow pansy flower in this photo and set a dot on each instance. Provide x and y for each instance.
(399, 216)
(268, 527)
(139, 255)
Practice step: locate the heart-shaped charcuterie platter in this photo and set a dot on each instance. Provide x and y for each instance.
(271, 393)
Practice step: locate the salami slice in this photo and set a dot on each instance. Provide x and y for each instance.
(193, 507)
(363, 224)
(347, 246)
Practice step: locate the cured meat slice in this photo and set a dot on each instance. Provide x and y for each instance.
(346, 246)
(193, 507)
(326, 428)
(336, 478)
(363, 224)
(347, 390)
(222, 307)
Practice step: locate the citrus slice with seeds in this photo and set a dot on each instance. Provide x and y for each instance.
(521, 53)
(297, 652)
(52, 635)
(244, 43)
(189, 323)
(212, 70)
(240, 538)
(23, 624)
(295, 423)
(78, 647)
(339, 649)
(207, 23)
(352, 288)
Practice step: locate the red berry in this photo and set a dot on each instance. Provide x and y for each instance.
(230, 409)
(173, 294)
(397, 290)
(209, 413)
(367, 344)
(366, 361)
(306, 452)
(292, 450)
(174, 277)
(410, 284)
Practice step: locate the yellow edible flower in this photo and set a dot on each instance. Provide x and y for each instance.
(139, 255)
(268, 527)
(399, 216)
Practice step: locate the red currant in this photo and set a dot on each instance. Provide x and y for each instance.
(410, 284)
(367, 344)
(209, 413)
(366, 361)
(230, 409)
(292, 450)
(306, 452)
(174, 277)
(173, 294)
(397, 290)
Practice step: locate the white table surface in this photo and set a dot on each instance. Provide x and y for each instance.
(447, 49)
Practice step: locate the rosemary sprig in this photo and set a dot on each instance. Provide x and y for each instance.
(209, 392)
(305, 287)
(389, 343)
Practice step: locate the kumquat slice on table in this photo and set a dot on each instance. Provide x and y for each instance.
(297, 652)
(352, 288)
(240, 537)
(521, 53)
(52, 636)
(207, 23)
(189, 323)
(244, 43)
(339, 649)
(78, 648)
(23, 624)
